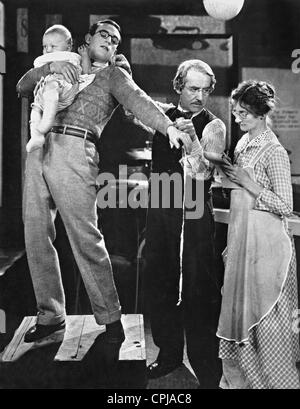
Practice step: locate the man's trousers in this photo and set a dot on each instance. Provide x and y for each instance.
(197, 315)
(62, 176)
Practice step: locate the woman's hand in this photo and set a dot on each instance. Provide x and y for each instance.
(237, 175)
(241, 177)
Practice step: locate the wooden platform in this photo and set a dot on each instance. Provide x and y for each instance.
(82, 359)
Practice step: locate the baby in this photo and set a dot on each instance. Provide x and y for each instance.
(56, 93)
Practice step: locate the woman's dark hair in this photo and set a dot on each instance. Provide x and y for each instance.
(94, 26)
(257, 97)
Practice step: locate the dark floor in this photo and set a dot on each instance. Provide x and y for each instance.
(36, 370)
(17, 297)
(182, 378)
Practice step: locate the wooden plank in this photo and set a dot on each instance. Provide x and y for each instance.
(77, 362)
(90, 332)
(71, 341)
(17, 348)
(81, 332)
(80, 335)
(133, 348)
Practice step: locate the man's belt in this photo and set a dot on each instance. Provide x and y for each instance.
(79, 132)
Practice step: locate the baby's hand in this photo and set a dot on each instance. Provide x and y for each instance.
(83, 50)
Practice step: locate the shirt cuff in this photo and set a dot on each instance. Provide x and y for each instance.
(193, 160)
(196, 148)
(168, 124)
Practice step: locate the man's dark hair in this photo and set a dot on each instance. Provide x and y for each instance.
(94, 26)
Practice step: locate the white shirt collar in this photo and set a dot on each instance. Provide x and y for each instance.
(96, 66)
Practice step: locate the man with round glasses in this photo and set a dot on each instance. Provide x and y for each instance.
(62, 176)
(105, 34)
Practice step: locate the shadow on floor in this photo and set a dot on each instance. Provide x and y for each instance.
(100, 369)
(182, 378)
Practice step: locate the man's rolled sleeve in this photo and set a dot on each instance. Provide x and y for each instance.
(26, 84)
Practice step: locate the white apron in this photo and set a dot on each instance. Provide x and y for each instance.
(259, 252)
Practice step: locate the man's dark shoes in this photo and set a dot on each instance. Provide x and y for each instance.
(114, 333)
(161, 368)
(48, 333)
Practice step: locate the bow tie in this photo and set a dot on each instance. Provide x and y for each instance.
(184, 114)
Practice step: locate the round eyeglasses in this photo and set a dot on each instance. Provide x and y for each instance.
(205, 91)
(241, 115)
(105, 34)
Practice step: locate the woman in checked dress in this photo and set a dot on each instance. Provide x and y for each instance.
(257, 329)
